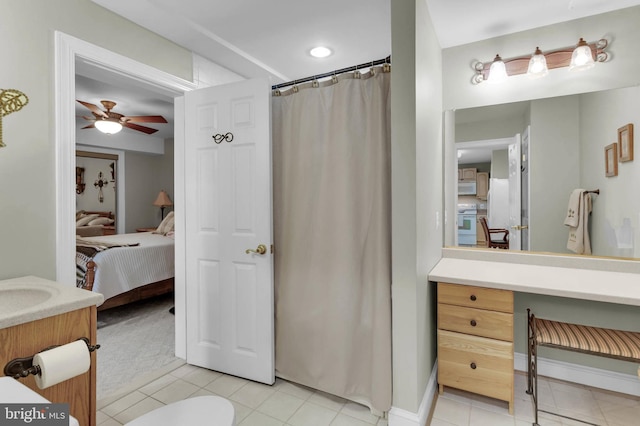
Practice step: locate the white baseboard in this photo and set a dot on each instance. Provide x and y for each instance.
(594, 377)
(400, 417)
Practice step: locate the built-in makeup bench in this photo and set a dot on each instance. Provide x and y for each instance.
(574, 277)
(610, 343)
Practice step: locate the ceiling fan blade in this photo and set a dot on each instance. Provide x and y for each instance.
(144, 119)
(90, 126)
(147, 130)
(94, 109)
(88, 118)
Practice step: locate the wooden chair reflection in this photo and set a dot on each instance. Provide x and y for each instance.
(495, 241)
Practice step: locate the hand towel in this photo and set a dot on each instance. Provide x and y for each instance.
(574, 207)
(579, 241)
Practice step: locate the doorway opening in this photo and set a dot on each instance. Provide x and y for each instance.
(71, 53)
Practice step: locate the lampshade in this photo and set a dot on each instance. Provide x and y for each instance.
(498, 71)
(163, 200)
(582, 58)
(537, 65)
(108, 127)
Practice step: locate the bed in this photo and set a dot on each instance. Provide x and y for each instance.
(126, 267)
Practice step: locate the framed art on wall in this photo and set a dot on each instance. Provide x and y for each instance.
(611, 160)
(625, 142)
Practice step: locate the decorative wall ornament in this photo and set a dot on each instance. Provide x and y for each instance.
(11, 100)
(625, 142)
(218, 137)
(99, 183)
(113, 174)
(611, 160)
(80, 180)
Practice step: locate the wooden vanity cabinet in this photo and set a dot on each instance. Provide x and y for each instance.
(475, 340)
(25, 340)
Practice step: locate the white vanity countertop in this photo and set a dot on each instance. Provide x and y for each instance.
(30, 298)
(551, 275)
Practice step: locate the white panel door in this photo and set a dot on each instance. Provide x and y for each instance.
(229, 290)
(515, 179)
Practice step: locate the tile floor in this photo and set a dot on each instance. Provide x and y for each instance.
(287, 404)
(255, 404)
(592, 405)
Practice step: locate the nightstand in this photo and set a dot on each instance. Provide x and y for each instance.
(146, 229)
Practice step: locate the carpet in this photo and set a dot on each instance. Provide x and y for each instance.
(135, 339)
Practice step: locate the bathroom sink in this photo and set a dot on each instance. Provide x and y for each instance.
(31, 298)
(14, 299)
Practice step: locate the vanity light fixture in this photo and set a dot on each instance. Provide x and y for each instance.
(585, 54)
(107, 126)
(497, 71)
(581, 58)
(537, 65)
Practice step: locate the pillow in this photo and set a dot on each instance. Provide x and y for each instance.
(101, 221)
(84, 220)
(80, 213)
(166, 225)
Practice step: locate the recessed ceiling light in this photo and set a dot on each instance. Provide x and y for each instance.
(320, 52)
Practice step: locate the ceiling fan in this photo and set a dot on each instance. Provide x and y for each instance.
(110, 122)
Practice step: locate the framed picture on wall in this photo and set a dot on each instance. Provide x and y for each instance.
(611, 160)
(625, 142)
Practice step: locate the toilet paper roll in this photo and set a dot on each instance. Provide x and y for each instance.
(61, 363)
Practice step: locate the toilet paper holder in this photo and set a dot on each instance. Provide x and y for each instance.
(22, 367)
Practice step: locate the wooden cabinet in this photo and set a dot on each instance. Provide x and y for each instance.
(475, 340)
(482, 185)
(467, 175)
(25, 340)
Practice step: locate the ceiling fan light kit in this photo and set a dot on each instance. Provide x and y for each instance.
(583, 56)
(110, 122)
(107, 126)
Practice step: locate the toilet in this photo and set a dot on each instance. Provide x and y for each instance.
(200, 410)
(13, 391)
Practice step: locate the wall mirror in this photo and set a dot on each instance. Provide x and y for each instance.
(96, 184)
(562, 143)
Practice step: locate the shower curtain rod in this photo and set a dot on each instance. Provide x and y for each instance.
(386, 60)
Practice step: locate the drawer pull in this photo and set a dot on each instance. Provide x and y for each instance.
(473, 297)
(473, 366)
(473, 323)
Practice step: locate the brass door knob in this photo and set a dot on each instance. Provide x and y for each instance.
(520, 227)
(262, 249)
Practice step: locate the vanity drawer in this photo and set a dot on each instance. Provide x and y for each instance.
(476, 297)
(479, 322)
(476, 364)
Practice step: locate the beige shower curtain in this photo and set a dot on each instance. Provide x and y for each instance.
(331, 158)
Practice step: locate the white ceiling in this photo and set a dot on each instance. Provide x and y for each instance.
(256, 38)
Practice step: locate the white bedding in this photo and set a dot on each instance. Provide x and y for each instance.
(120, 269)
